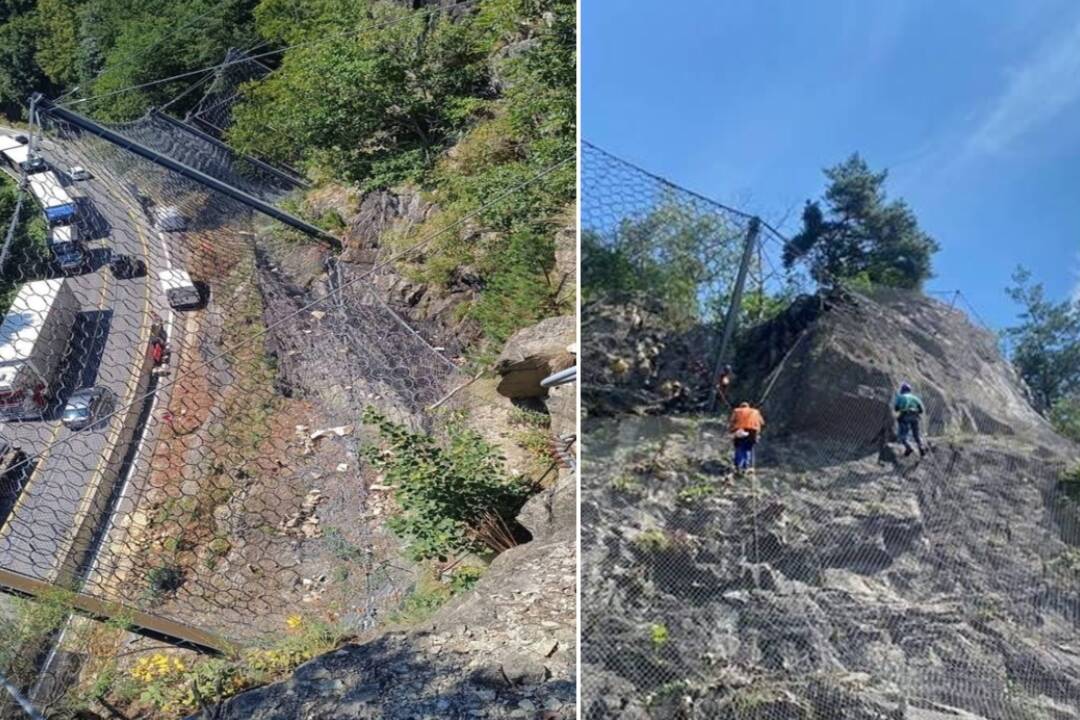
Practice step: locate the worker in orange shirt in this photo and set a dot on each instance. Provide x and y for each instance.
(745, 426)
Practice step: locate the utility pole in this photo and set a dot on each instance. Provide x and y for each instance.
(752, 231)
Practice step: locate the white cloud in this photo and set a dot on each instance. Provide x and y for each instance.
(1035, 93)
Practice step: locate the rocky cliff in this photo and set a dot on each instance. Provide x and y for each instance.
(505, 650)
(838, 580)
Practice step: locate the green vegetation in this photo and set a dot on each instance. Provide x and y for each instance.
(652, 541)
(658, 635)
(162, 580)
(860, 236)
(25, 630)
(102, 46)
(445, 492)
(430, 594)
(662, 255)
(628, 484)
(369, 93)
(1045, 349)
(170, 684)
(696, 492)
(28, 255)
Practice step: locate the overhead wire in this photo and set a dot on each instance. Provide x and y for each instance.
(330, 38)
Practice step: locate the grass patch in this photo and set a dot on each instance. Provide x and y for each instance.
(431, 594)
(652, 541)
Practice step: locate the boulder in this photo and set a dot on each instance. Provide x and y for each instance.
(533, 353)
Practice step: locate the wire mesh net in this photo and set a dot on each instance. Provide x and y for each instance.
(181, 383)
(213, 112)
(838, 576)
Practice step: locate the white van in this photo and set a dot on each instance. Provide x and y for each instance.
(179, 290)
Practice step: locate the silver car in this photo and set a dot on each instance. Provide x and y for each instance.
(85, 407)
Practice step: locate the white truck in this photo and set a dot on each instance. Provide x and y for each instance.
(67, 248)
(34, 339)
(179, 290)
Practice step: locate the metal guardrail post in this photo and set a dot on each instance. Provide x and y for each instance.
(191, 173)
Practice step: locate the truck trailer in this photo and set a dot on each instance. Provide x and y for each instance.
(34, 339)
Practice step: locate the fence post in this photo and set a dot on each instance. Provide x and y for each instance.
(731, 320)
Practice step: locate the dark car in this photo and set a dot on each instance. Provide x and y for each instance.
(71, 257)
(21, 139)
(127, 266)
(85, 407)
(13, 471)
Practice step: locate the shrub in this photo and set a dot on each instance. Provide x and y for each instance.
(164, 579)
(443, 493)
(658, 635)
(653, 541)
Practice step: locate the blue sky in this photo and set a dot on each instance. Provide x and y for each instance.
(973, 106)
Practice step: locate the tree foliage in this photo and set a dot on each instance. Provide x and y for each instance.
(103, 46)
(374, 106)
(684, 259)
(371, 93)
(1045, 348)
(28, 255)
(860, 234)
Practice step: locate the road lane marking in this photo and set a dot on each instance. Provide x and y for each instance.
(117, 420)
(43, 456)
(153, 404)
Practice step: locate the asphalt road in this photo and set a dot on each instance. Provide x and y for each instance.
(108, 345)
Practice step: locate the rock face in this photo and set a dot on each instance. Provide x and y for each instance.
(505, 650)
(837, 581)
(841, 370)
(533, 353)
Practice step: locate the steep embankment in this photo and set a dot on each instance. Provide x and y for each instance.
(505, 650)
(839, 581)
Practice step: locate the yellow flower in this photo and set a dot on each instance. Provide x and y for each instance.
(294, 622)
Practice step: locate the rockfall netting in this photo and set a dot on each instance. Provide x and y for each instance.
(841, 578)
(182, 382)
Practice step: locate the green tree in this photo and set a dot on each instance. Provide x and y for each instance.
(1065, 416)
(684, 259)
(860, 234)
(1045, 346)
(20, 74)
(58, 41)
(376, 106)
(132, 42)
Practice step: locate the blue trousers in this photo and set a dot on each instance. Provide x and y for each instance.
(744, 452)
(908, 426)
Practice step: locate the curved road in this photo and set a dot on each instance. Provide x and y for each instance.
(73, 472)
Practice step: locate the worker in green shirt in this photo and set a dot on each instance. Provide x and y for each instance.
(908, 408)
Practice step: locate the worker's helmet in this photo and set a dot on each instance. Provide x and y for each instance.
(905, 388)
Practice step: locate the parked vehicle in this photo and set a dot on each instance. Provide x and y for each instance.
(127, 266)
(87, 406)
(59, 207)
(180, 292)
(67, 249)
(21, 139)
(34, 339)
(78, 172)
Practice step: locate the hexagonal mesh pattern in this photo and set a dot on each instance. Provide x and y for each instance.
(837, 578)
